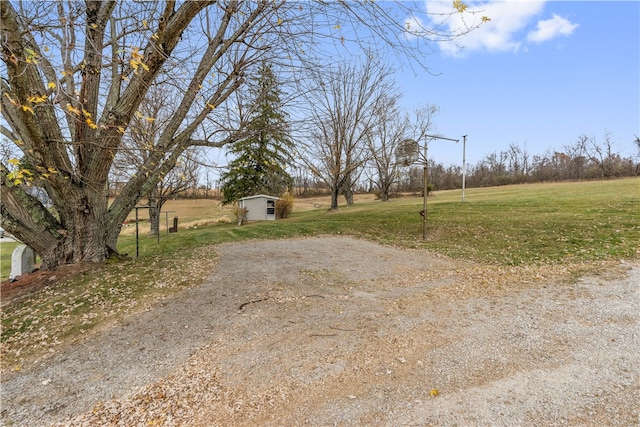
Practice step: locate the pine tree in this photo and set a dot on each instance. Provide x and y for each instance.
(261, 159)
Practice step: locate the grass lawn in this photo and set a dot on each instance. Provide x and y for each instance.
(537, 223)
(558, 224)
(512, 225)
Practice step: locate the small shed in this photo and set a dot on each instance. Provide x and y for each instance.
(260, 207)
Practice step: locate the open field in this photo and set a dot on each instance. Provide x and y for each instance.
(535, 223)
(563, 222)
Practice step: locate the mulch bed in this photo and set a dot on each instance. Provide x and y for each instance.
(11, 290)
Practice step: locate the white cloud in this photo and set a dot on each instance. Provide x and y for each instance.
(551, 28)
(505, 32)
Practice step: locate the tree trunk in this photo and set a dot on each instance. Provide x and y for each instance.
(154, 214)
(334, 198)
(348, 196)
(83, 237)
(154, 218)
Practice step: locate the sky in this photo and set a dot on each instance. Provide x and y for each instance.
(537, 75)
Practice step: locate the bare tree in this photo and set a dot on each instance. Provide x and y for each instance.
(577, 158)
(343, 106)
(142, 142)
(390, 128)
(602, 155)
(74, 75)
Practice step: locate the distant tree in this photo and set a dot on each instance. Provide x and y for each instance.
(602, 154)
(390, 128)
(577, 159)
(343, 105)
(261, 159)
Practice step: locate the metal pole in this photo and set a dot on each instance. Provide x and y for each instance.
(425, 179)
(464, 163)
(425, 190)
(137, 251)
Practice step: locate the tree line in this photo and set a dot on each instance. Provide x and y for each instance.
(588, 158)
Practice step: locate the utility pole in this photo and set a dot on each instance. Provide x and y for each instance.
(464, 163)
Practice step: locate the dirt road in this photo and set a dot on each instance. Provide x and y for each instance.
(339, 331)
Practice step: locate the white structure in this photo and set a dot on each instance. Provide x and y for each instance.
(22, 260)
(259, 208)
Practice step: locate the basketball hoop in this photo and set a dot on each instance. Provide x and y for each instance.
(407, 152)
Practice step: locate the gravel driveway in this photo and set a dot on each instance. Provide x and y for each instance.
(339, 331)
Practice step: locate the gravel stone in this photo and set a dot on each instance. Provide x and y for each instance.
(340, 331)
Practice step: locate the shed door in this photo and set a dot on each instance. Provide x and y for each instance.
(271, 209)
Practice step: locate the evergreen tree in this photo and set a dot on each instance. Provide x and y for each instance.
(261, 159)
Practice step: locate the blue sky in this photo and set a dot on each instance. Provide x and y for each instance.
(539, 74)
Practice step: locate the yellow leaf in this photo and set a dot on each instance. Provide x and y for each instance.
(336, 27)
(27, 108)
(72, 109)
(279, 21)
(211, 106)
(120, 129)
(52, 170)
(10, 99)
(86, 113)
(434, 392)
(91, 124)
(51, 85)
(32, 56)
(14, 161)
(486, 19)
(145, 23)
(135, 53)
(94, 26)
(37, 99)
(150, 119)
(459, 6)
(138, 114)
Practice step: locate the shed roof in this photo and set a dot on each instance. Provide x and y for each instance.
(260, 196)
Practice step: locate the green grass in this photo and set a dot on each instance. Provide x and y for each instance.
(511, 225)
(562, 224)
(514, 225)
(6, 249)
